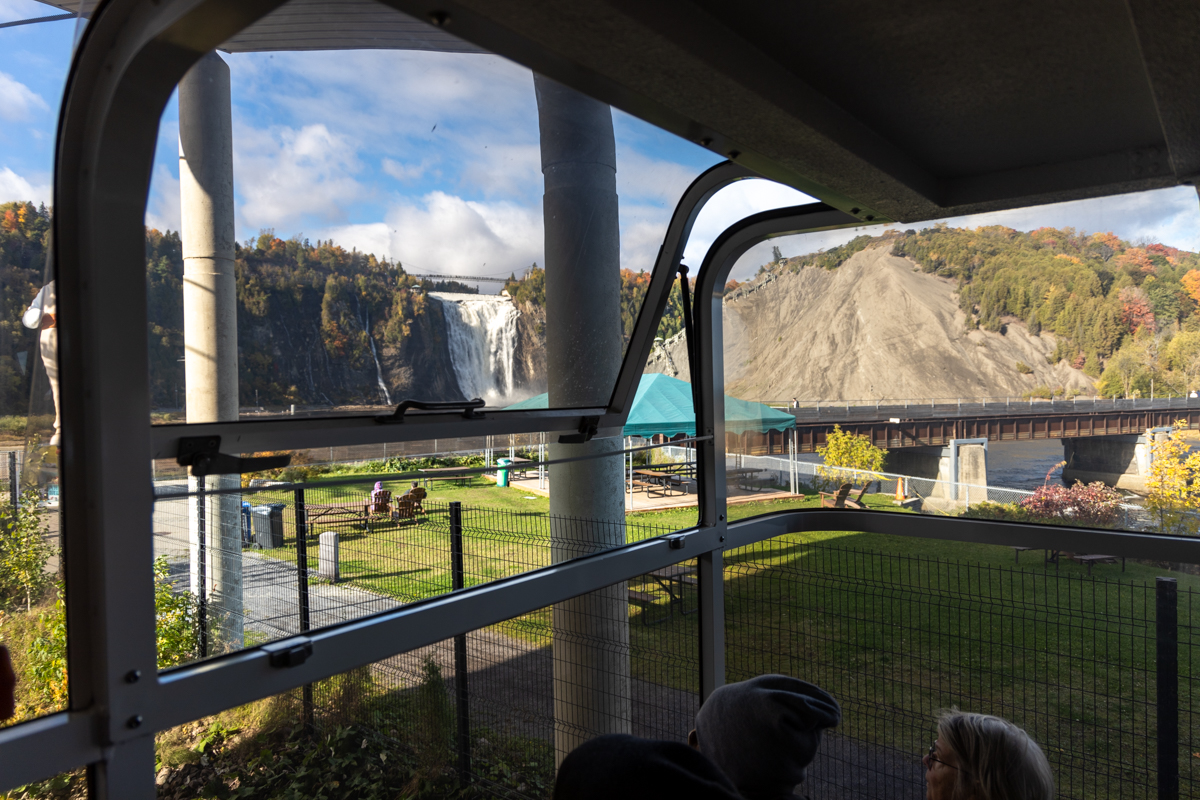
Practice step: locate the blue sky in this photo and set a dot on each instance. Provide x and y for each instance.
(432, 159)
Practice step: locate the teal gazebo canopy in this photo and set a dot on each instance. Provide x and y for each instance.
(663, 405)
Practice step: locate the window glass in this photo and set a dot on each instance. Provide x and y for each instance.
(349, 531)
(34, 59)
(898, 629)
(393, 224)
(476, 712)
(1032, 365)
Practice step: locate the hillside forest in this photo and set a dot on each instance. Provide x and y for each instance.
(1127, 315)
(314, 320)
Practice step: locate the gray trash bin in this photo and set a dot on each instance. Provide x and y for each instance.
(267, 523)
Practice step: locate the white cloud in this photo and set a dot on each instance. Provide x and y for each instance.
(17, 101)
(504, 169)
(651, 180)
(403, 172)
(17, 187)
(733, 203)
(371, 237)
(446, 234)
(162, 209)
(283, 175)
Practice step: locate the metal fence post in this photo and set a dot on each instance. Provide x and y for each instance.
(302, 587)
(461, 696)
(1167, 680)
(14, 496)
(202, 566)
(711, 588)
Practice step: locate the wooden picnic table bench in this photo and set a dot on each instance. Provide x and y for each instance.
(679, 574)
(339, 513)
(742, 478)
(664, 481)
(442, 474)
(1052, 557)
(519, 466)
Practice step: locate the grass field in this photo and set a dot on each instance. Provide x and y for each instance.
(894, 626)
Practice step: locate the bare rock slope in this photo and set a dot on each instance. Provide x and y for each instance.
(874, 328)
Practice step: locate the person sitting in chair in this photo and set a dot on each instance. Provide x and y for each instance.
(381, 499)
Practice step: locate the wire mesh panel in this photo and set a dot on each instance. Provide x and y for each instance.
(470, 716)
(1075, 660)
(271, 561)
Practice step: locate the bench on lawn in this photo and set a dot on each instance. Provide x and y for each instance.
(445, 474)
(335, 513)
(1096, 558)
(648, 599)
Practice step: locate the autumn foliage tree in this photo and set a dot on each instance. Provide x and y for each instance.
(1174, 483)
(850, 451)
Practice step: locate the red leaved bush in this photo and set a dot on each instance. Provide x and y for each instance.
(1093, 504)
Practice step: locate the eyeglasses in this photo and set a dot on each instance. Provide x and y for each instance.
(933, 758)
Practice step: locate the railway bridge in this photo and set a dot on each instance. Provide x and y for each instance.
(1107, 440)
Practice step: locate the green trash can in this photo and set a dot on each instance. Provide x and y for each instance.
(502, 474)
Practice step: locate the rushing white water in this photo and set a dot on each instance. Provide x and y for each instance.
(483, 337)
(383, 390)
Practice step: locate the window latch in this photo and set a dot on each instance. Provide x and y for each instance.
(587, 429)
(203, 454)
(290, 652)
(470, 409)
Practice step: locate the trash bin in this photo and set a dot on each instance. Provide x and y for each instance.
(267, 523)
(502, 474)
(247, 529)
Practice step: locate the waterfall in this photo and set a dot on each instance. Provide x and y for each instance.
(387, 396)
(482, 332)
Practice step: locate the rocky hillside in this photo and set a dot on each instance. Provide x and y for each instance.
(877, 327)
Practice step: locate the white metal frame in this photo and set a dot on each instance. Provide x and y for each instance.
(133, 54)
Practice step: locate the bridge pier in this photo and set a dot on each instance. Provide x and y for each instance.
(1119, 461)
(949, 478)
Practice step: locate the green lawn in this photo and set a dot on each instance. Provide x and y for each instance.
(895, 626)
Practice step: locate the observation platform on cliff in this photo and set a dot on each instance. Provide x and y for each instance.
(898, 424)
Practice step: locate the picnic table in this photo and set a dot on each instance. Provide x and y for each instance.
(519, 466)
(339, 513)
(664, 481)
(741, 477)
(1052, 557)
(672, 578)
(445, 474)
(675, 575)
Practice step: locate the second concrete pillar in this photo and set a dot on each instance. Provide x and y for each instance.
(583, 357)
(210, 325)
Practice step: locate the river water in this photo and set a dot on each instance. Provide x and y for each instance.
(1010, 465)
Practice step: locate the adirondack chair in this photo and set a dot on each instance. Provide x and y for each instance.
(418, 496)
(836, 499)
(408, 505)
(857, 501)
(381, 502)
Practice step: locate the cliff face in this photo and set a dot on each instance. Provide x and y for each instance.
(420, 368)
(529, 358)
(875, 328)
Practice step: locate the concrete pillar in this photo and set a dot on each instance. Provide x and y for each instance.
(583, 356)
(1121, 461)
(210, 321)
(944, 473)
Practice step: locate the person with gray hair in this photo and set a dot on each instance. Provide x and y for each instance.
(984, 757)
